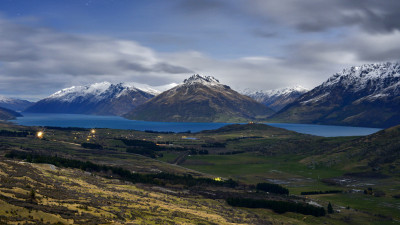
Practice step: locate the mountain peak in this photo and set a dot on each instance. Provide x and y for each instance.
(197, 78)
(200, 99)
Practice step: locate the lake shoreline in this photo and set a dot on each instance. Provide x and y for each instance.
(116, 122)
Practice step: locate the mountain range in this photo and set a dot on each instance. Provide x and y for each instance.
(367, 95)
(97, 99)
(14, 104)
(278, 98)
(200, 99)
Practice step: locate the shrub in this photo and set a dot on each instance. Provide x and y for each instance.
(273, 188)
(330, 208)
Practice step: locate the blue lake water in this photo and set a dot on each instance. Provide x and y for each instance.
(115, 122)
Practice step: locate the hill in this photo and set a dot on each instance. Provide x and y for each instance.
(8, 114)
(379, 151)
(200, 99)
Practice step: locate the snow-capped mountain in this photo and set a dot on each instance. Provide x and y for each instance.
(14, 104)
(200, 99)
(278, 98)
(99, 98)
(367, 95)
(204, 80)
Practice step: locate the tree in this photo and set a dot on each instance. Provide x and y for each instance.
(330, 209)
(32, 195)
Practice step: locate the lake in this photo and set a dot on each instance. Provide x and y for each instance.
(116, 122)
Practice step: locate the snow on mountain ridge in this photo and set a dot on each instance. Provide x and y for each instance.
(100, 91)
(374, 81)
(14, 103)
(206, 80)
(274, 92)
(154, 90)
(71, 93)
(360, 76)
(285, 91)
(5, 99)
(94, 92)
(277, 98)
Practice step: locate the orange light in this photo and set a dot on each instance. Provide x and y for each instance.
(39, 134)
(93, 131)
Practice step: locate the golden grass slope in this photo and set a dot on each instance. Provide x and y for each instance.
(66, 196)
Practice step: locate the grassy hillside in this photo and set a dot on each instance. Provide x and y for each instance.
(378, 152)
(249, 154)
(66, 196)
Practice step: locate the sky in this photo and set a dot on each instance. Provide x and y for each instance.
(47, 45)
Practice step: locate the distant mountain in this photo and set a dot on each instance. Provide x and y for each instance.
(8, 114)
(278, 98)
(367, 96)
(98, 99)
(200, 99)
(14, 104)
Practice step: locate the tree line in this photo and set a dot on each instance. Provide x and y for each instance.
(320, 192)
(277, 206)
(214, 145)
(231, 153)
(67, 128)
(7, 133)
(150, 149)
(273, 188)
(144, 151)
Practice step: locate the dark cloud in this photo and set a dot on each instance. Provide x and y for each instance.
(159, 67)
(316, 15)
(360, 47)
(307, 15)
(133, 66)
(168, 68)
